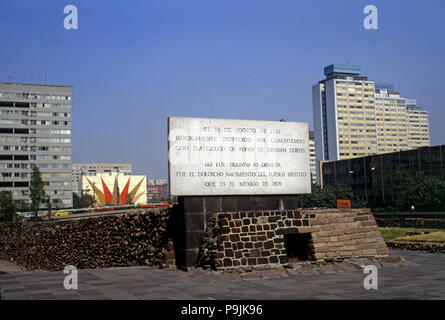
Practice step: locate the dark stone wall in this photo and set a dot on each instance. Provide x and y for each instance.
(417, 246)
(425, 220)
(258, 238)
(128, 239)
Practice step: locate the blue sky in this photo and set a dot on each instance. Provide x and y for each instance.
(134, 63)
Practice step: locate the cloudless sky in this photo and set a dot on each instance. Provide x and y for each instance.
(134, 63)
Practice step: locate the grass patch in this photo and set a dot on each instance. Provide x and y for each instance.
(438, 237)
(392, 233)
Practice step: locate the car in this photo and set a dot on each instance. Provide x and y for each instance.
(80, 211)
(61, 213)
(32, 217)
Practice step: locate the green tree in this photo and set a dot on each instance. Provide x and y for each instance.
(36, 190)
(345, 192)
(318, 198)
(49, 207)
(76, 200)
(403, 184)
(84, 201)
(428, 194)
(327, 197)
(23, 206)
(8, 207)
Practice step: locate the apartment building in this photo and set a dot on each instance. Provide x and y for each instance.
(417, 124)
(35, 130)
(354, 118)
(391, 121)
(344, 114)
(95, 168)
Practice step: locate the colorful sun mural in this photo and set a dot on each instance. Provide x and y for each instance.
(100, 186)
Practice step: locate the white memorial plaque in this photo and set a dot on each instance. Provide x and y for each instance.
(237, 157)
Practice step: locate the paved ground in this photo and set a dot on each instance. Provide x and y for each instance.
(423, 279)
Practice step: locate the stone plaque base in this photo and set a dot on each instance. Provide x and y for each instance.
(192, 213)
(272, 238)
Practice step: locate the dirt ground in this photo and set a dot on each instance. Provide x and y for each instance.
(10, 267)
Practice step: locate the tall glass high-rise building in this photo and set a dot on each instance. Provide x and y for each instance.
(35, 130)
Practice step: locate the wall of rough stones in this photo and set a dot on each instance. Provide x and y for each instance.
(418, 246)
(257, 238)
(426, 220)
(131, 239)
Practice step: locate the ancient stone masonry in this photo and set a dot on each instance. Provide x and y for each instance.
(129, 239)
(430, 220)
(256, 238)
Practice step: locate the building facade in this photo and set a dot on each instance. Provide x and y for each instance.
(91, 169)
(312, 162)
(391, 121)
(35, 130)
(373, 177)
(157, 189)
(418, 125)
(156, 182)
(154, 192)
(344, 114)
(355, 118)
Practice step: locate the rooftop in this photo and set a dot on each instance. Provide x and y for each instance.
(342, 68)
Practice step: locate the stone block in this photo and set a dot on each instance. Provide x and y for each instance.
(304, 229)
(336, 232)
(319, 256)
(350, 231)
(227, 262)
(263, 260)
(265, 253)
(255, 253)
(350, 248)
(369, 252)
